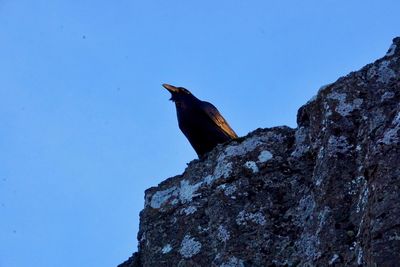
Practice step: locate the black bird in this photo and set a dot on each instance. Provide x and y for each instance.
(200, 121)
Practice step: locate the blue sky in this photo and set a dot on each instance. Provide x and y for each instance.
(85, 126)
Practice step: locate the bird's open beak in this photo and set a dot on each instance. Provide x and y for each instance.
(170, 88)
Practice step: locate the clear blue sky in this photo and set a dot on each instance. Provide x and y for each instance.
(85, 126)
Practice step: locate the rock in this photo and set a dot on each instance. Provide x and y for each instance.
(325, 193)
(133, 261)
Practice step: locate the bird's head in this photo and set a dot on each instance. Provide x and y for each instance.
(179, 94)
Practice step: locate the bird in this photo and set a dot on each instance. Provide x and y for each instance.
(200, 121)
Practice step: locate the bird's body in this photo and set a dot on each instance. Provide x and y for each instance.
(200, 121)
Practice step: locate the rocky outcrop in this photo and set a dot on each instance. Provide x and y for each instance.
(325, 193)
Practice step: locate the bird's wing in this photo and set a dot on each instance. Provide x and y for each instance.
(213, 113)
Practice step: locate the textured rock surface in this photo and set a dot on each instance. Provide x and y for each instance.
(325, 193)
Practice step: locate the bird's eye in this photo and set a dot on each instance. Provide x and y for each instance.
(184, 90)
